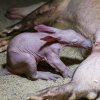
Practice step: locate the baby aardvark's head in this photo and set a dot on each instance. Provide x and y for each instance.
(66, 37)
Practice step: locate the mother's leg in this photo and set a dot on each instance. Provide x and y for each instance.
(21, 12)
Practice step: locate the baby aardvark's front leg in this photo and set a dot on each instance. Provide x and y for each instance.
(54, 60)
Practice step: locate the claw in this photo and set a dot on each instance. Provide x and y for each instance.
(98, 98)
(73, 96)
(35, 98)
(92, 95)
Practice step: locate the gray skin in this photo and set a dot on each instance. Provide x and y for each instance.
(27, 49)
(20, 12)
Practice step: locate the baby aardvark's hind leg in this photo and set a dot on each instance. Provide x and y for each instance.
(23, 63)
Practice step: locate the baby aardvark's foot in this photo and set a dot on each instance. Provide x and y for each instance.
(47, 75)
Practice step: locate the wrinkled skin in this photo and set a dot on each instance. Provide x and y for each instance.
(85, 14)
(85, 83)
(27, 49)
(48, 13)
(62, 12)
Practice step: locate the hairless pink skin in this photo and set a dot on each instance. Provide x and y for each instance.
(27, 49)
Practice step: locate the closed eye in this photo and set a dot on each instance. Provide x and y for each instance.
(74, 41)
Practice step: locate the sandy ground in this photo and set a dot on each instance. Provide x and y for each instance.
(13, 87)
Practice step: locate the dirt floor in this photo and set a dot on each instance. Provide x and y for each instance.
(13, 87)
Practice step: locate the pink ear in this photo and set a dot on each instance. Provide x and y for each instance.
(44, 28)
(49, 39)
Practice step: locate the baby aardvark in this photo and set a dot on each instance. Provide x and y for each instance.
(27, 49)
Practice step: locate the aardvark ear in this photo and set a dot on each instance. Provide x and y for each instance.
(49, 38)
(44, 28)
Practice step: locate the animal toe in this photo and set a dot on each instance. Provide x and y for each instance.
(92, 95)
